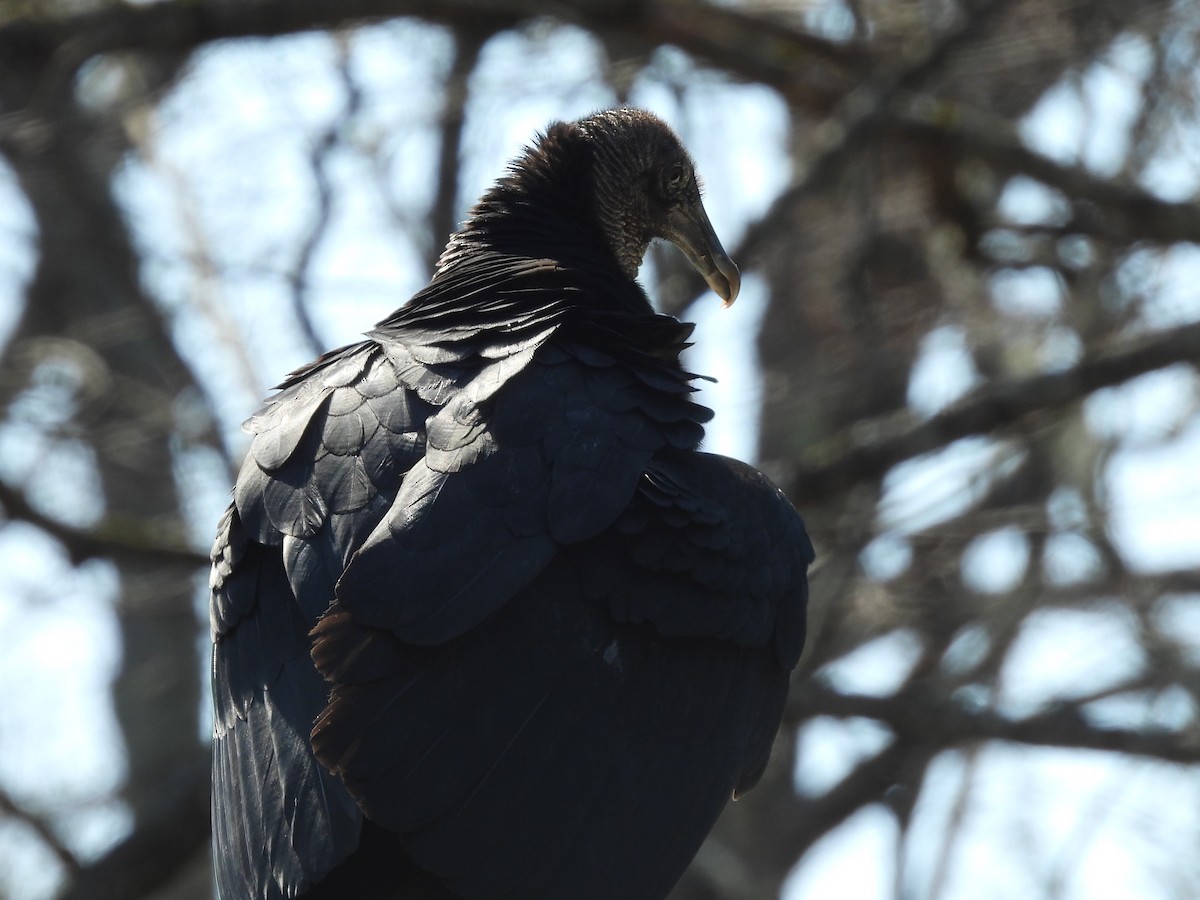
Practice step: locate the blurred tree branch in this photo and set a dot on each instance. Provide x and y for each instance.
(872, 448)
(328, 141)
(443, 216)
(12, 809)
(917, 713)
(159, 846)
(130, 537)
(1103, 206)
(807, 68)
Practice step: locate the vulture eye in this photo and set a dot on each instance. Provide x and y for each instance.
(675, 178)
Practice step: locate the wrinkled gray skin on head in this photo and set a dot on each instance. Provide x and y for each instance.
(645, 187)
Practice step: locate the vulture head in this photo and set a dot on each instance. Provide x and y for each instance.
(645, 187)
(619, 178)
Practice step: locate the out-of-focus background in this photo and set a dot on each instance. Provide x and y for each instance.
(967, 347)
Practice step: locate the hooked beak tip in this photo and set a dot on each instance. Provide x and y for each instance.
(725, 280)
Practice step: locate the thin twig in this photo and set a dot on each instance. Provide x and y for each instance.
(318, 161)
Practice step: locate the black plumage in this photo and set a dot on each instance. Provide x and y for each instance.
(486, 623)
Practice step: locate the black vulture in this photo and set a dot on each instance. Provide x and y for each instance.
(486, 622)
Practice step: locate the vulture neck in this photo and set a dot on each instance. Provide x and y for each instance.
(547, 208)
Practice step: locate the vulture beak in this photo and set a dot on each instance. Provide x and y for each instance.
(688, 229)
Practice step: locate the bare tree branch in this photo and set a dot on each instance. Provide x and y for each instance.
(318, 161)
(867, 783)
(184, 26)
(1101, 205)
(157, 850)
(467, 47)
(805, 66)
(62, 853)
(918, 713)
(871, 451)
(129, 538)
(865, 106)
